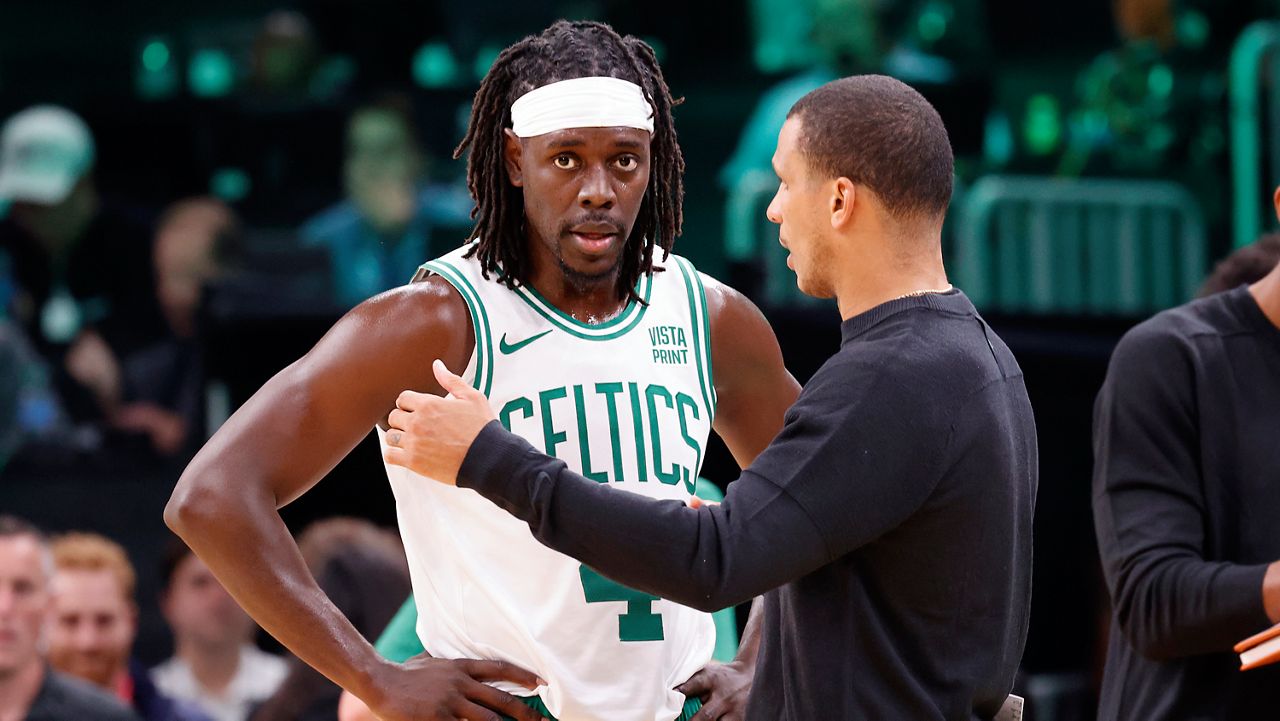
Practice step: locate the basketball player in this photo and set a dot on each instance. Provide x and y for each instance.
(568, 312)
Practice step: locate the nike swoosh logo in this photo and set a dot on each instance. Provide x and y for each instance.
(509, 348)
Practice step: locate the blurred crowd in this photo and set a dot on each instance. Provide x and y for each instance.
(101, 315)
(69, 617)
(101, 310)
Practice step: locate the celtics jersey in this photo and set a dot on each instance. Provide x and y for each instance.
(627, 403)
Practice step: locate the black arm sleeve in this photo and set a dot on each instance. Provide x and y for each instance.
(825, 486)
(1149, 509)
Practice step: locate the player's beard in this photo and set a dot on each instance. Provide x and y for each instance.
(582, 281)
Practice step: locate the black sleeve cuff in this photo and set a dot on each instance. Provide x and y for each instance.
(492, 464)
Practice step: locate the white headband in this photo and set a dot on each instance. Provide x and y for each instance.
(598, 102)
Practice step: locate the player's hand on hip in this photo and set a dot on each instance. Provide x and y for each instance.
(435, 689)
(723, 688)
(431, 435)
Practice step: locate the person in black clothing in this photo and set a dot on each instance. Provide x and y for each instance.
(1185, 502)
(74, 273)
(891, 517)
(63, 697)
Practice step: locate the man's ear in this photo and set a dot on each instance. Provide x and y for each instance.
(512, 153)
(843, 196)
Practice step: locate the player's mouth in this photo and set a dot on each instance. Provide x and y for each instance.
(594, 239)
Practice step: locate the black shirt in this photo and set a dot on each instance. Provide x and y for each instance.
(891, 517)
(1186, 493)
(62, 698)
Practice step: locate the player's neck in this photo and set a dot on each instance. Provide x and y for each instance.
(18, 690)
(1267, 293)
(589, 300)
(213, 666)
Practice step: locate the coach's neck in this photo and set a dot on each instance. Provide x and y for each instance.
(881, 258)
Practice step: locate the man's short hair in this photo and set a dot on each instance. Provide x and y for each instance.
(91, 552)
(880, 133)
(11, 526)
(1249, 264)
(15, 527)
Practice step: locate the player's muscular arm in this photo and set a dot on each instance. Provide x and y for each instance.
(284, 440)
(753, 390)
(753, 387)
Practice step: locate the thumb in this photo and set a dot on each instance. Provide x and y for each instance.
(452, 384)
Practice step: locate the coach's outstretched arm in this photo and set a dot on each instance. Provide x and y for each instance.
(843, 471)
(284, 440)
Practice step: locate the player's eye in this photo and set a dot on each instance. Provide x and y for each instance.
(628, 162)
(565, 162)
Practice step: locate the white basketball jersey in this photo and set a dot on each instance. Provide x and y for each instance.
(627, 403)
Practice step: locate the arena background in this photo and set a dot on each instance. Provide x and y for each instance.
(1107, 155)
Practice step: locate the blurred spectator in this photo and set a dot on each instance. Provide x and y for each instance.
(214, 666)
(1246, 265)
(95, 621)
(363, 570)
(929, 42)
(77, 272)
(383, 231)
(28, 688)
(162, 387)
(1153, 106)
(285, 55)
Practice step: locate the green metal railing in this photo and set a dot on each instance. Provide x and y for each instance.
(1253, 58)
(1093, 247)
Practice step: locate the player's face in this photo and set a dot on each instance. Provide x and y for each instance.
(800, 210)
(582, 192)
(24, 602)
(93, 625)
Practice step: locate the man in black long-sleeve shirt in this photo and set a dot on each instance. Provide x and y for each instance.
(1185, 502)
(891, 517)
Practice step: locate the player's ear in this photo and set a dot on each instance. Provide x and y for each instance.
(512, 152)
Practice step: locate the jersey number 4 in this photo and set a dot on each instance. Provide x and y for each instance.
(639, 623)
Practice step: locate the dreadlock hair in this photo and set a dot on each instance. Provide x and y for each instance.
(565, 51)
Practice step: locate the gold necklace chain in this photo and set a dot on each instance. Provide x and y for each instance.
(924, 291)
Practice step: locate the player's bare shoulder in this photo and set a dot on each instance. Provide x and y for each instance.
(734, 319)
(425, 318)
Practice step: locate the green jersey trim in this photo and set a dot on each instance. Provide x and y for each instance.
(479, 321)
(626, 320)
(701, 333)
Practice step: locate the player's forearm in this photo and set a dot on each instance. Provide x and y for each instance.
(707, 558)
(233, 526)
(749, 645)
